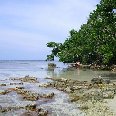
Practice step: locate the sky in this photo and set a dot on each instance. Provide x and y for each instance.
(27, 25)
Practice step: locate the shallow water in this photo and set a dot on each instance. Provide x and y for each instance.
(40, 70)
(59, 105)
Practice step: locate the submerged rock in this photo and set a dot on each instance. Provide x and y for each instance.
(31, 107)
(50, 95)
(7, 103)
(28, 95)
(97, 81)
(37, 112)
(74, 98)
(31, 96)
(20, 87)
(16, 83)
(41, 112)
(97, 90)
(30, 79)
(51, 65)
(3, 92)
(108, 94)
(3, 84)
(28, 113)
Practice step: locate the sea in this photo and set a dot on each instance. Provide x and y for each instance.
(39, 68)
(60, 105)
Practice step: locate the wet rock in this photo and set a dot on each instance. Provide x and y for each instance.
(19, 87)
(29, 113)
(111, 87)
(31, 96)
(15, 79)
(12, 89)
(48, 78)
(41, 112)
(97, 109)
(31, 107)
(96, 95)
(8, 108)
(50, 95)
(46, 85)
(51, 65)
(7, 103)
(4, 109)
(92, 93)
(30, 79)
(74, 98)
(64, 80)
(16, 83)
(108, 94)
(3, 92)
(69, 90)
(107, 81)
(28, 95)
(3, 84)
(37, 112)
(97, 90)
(97, 81)
(84, 107)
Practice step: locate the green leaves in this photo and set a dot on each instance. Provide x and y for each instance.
(50, 57)
(52, 44)
(94, 42)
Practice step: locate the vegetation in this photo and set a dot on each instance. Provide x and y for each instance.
(95, 42)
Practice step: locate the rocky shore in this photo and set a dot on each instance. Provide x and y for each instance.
(92, 96)
(27, 104)
(95, 98)
(93, 66)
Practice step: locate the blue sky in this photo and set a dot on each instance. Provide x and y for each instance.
(27, 25)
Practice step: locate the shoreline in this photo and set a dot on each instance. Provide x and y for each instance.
(93, 66)
(97, 97)
(23, 95)
(103, 106)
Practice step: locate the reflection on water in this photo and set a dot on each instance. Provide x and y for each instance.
(82, 75)
(40, 69)
(111, 76)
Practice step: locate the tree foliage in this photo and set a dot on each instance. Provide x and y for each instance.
(95, 42)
